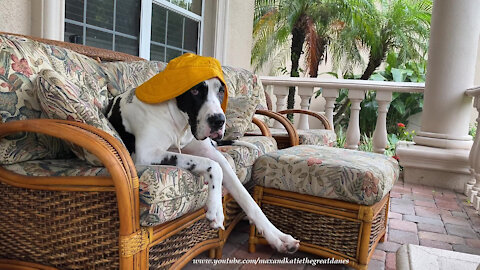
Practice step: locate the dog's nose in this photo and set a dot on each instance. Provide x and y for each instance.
(216, 121)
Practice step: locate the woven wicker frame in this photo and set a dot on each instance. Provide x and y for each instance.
(325, 227)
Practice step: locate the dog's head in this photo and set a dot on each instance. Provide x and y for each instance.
(202, 104)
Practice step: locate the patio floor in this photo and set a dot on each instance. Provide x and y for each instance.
(419, 215)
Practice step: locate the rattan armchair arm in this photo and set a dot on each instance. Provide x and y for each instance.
(106, 148)
(262, 126)
(292, 132)
(320, 117)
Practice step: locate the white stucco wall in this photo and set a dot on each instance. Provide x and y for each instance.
(15, 16)
(239, 33)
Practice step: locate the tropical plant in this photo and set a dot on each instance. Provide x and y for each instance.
(301, 24)
(402, 106)
(400, 26)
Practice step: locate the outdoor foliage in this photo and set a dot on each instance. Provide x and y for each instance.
(299, 24)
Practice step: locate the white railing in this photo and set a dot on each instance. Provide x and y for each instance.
(330, 89)
(472, 188)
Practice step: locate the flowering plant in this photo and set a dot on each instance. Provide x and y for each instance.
(403, 134)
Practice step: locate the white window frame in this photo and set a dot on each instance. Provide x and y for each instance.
(144, 38)
(146, 25)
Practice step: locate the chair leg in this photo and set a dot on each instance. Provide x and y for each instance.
(218, 252)
(211, 253)
(251, 240)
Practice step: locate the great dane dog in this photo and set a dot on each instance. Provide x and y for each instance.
(190, 122)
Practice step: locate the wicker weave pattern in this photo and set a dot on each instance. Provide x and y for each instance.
(337, 234)
(163, 255)
(379, 224)
(67, 230)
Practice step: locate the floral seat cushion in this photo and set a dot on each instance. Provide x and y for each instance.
(320, 137)
(166, 192)
(327, 172)
(242, 157)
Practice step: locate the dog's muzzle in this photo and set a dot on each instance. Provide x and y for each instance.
(216, 122)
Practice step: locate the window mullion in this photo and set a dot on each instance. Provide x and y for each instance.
(145, 29)
(114, 22)
(85, 22)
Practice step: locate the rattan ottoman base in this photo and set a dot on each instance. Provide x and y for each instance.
(325, 227)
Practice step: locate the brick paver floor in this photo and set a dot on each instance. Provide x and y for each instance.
(418, 214)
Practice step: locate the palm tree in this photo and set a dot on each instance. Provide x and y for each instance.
(274, 23)
(401, 26)
(306, 22)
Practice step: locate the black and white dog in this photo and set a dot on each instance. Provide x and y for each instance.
(188, 123)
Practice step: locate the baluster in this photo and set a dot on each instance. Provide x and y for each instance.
(353, 130)
(281, 92)
(380, 140)
(330, 95)
(472, 158)
(305, 94)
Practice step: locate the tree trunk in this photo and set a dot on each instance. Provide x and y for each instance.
(320, 47)
(298, 38)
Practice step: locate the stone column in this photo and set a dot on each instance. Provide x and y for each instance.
(439, 156)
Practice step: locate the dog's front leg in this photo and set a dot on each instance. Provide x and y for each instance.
(277, 239)
(208, 168)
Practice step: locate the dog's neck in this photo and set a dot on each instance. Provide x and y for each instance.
(180, 121)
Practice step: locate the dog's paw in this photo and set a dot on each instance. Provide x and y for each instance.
(283, 243)
(215, 215)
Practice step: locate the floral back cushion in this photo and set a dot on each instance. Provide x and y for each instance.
(241, 82)
(80, 70)
(124, 76)
(239, 116)
(20, 61)
(62, 99)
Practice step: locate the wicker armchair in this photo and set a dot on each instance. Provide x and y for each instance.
(92, 222)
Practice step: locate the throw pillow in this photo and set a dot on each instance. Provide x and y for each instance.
(61, 99)
(124, 76)
(240, 111)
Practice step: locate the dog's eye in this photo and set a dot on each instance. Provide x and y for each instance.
(221, 90)
(194, 92)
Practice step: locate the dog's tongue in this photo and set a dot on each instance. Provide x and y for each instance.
(215, 135)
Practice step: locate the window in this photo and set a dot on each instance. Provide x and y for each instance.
(173, 26)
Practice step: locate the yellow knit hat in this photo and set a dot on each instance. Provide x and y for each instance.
(181, 74)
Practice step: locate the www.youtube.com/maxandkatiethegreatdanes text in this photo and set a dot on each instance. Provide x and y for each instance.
(259, 261)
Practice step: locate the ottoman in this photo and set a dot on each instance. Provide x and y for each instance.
(335, 201)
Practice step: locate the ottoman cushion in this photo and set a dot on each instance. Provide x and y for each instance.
(327, 172)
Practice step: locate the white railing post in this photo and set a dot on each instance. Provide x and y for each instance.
(330, 95)
(380, 140)
(305, 94)
(474, 193)
(353, 130)
(472, 159)
(281, 93)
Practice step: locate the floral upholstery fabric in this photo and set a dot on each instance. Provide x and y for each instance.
(124, 76)
(62, 99)
(166, 192)
(82, 71)
(321, 137)
(21, 60)
(244, 157)
(327, 172)
(239, 116)
(241, 82)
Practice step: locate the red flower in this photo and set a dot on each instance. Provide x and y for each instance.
(21, 66)
(401, 125)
